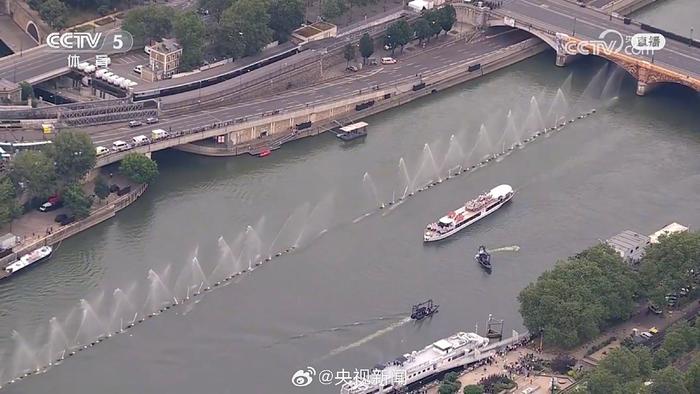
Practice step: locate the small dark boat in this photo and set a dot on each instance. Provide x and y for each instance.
(483, 257)
(423, 310)
(264, 152)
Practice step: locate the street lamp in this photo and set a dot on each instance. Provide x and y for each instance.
(574, 30)
(691, 37)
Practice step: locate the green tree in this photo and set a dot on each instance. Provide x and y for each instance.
(215, 7)
(666, 266)
(77, 201)
(668, 381)
(450, 384)
(622, 363)
(8, 201)
(366, 47)
(73, 154)
(349, 53)
(27, 90)
(422, 29)
(138, 168)
(331, 9)
(645, 361)
(433, 18)
(601, 381)
(473, 389)
(285, 16)
(35, 170)
(692, 378)
(54, 12)
(398, 34)
(149, 23)
(572, 302)
(189, 31)
(447, 17)
(101, 189)
(244, 28)
(661, 358)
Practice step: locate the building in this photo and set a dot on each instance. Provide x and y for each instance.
(672, 228)
(420, 5)
(10, 92)
(314, 32)
(163, 58)
(629, 245)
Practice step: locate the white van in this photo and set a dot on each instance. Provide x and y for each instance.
(388, 60)
(119, 146)
(158, 134)
(101, 150)
(140, 140)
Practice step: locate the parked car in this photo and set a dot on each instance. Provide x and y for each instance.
(50, 206)
(654, 309)
(353, 68)
(138, 69)
(135, 123)
(120, 145)
(372, 61)
(388, 60)
(151, 120)
(653, 331)
(646, 335)
(159, 134)
(67, 220)
(140, 140)
(101, 150)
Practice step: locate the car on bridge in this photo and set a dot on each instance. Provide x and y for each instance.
(101, 150)
(140, 140)
(135, 123)
(151, 120)
(120, 145)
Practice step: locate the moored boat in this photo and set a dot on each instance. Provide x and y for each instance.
(27, 260)
(473, 211)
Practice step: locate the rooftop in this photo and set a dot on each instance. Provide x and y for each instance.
(6, 85)
(627, 241)
(669, 229)
(167, 45)
(313, 29)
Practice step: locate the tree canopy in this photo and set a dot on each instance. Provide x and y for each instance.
(8, 203)
(398, 34)
(76, 200)
(366, 46)
(54, 12)
(447, 16)
(670, 265)
(571, 303)
(189, 31)
(149, 23)
(138, 168)
(244, 28)
(285, 16)
(349, 53)
(422, 29)
(35, 170)
(73, 154)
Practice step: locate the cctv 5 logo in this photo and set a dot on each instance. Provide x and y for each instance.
(113, 42)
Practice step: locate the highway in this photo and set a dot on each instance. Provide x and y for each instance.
(435, 58)
(565, 17)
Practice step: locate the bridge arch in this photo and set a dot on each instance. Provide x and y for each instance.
(33, 31)
(535, 32)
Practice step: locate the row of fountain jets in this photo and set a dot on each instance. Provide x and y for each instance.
(89, 328)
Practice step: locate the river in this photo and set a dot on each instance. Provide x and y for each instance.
(631, 165)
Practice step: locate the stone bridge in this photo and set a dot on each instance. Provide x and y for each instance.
(573, 31)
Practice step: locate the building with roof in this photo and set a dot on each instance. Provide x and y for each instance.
(164, 58)
(629, 245)
(314, 32)
(420, 5)
(672, 228)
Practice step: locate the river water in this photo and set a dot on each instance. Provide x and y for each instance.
(631, 165)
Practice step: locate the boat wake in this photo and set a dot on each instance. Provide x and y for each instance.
(366, 339)
(342, 327)
(513, 248)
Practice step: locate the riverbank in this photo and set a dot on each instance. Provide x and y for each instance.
(52, 235)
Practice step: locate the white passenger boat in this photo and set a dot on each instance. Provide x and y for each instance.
(473, 211)
(28, 259)
(455, 351)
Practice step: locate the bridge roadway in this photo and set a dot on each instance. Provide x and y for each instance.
(423, 62)
(588, 23)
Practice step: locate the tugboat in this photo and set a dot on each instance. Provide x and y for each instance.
(483, 257)
(423, 310)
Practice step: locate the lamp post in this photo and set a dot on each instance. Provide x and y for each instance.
(574, 29)
(691, 37)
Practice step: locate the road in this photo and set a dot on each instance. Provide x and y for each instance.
(435, 58)
(587, 23)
